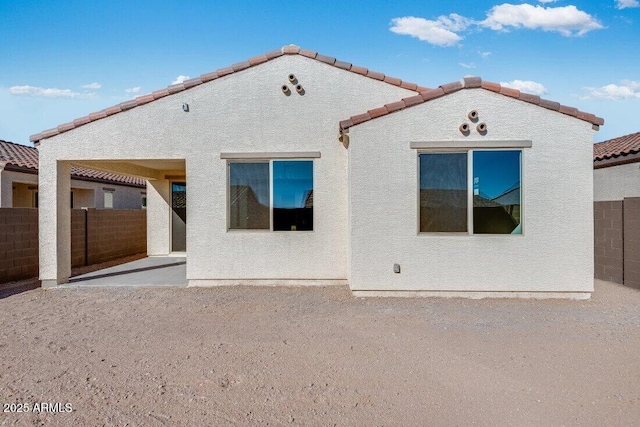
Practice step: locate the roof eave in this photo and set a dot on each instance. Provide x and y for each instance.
(616, 160)
(221, 72)
(470, 83)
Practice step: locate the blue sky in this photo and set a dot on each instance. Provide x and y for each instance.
(64, 59)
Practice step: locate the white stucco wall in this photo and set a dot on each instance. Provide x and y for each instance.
(86, 193)
(158, 217)
(555, 253)
(616, 182)
(244, 112)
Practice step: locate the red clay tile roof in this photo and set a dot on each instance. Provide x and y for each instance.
(23, 157)
(617, 147)
(18, 155)
(251, 62)
(467, 83)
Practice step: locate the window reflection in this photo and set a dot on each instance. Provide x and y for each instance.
(292, 195)
(249, 195)
(496, 192)
(443, 192)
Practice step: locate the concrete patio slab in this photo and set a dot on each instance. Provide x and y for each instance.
(151, 271)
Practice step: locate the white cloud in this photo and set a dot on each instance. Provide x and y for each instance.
(566, 20)
(526, 86)
(484, 55)
(467, 65)
(180, 79)
(445, 30)
(133, 89)
(625, 4)
(628, 89)
(47, 92)
(92, 86)
(441, 32)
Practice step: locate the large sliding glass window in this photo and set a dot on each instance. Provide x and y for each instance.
(271, 195)
(445, 194)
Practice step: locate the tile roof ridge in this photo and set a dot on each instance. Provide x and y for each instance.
(290, 49)
(468, 83)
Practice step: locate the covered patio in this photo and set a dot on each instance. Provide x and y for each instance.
(166, 220)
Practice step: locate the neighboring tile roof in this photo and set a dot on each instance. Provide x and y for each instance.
(467, 83)
(24, 157)
(251, 62)
(18, 155)
(616, 147)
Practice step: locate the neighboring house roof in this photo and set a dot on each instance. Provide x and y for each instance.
(467, 83)
(204, 78)
(22, 158)
(617, 151)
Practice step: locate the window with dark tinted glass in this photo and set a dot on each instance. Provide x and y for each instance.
(249, 195)
(443, 192)
(266, 193)
(496, 192)
(292, 195)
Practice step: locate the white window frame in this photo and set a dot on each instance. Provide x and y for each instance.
(267, 158)
(105, 199)
(450, 148)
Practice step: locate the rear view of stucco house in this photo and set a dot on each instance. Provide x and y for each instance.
(302, 169)
(88, 188)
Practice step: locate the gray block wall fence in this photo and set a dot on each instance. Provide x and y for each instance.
(18, 244)
(96, 236)
(632, 242)
(617, 241)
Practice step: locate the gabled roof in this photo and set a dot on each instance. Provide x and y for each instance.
(467, 83)
(21, 158)
(204, 78)
(617, 151)
(616, 147)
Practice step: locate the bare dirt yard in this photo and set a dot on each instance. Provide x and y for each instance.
(317, 356)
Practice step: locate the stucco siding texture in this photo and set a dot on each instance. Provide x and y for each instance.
(616, 182)
(245, 112)
(555, 251)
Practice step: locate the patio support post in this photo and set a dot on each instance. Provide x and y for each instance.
(54, 221)
(158, 217)
(6, 189)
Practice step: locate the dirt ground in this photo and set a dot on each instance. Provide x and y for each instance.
(317, 356)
